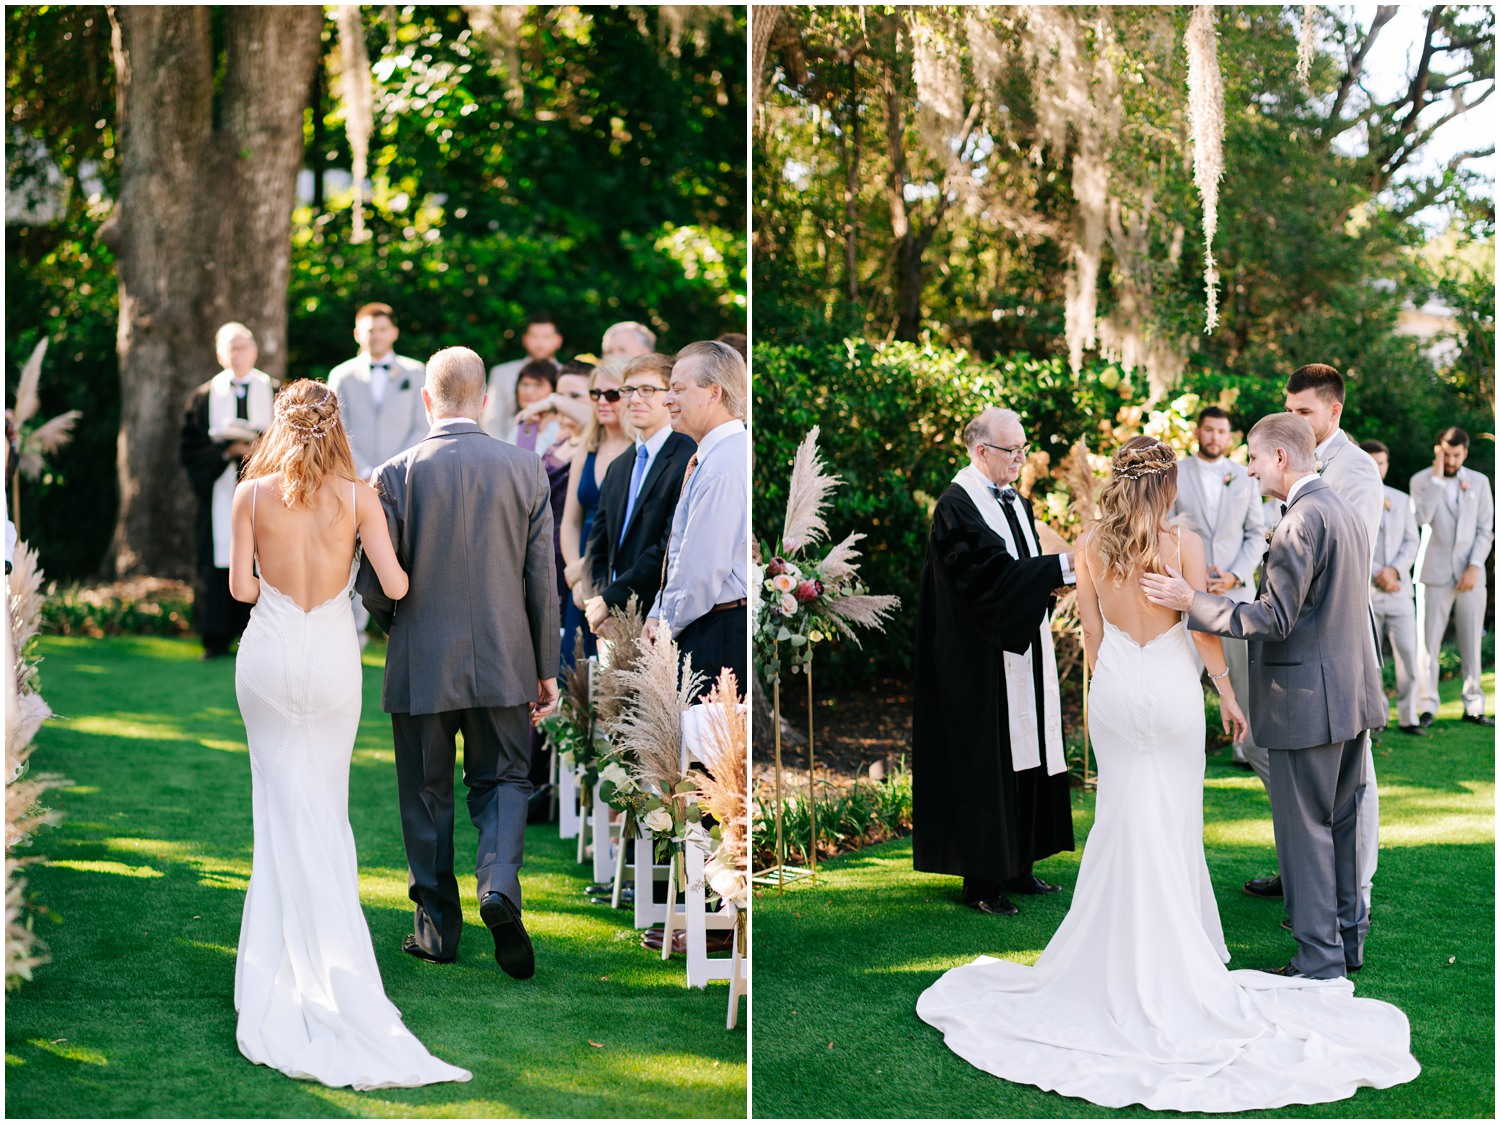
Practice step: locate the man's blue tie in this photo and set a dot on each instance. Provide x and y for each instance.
(642, 455)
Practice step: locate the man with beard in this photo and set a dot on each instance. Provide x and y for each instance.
(1455, 502)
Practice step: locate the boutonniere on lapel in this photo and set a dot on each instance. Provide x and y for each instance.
(1319, 465)
(1387, 503)
(1228, 479)
(1463, 485)
(1269, 533)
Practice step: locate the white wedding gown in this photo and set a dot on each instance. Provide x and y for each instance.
(306, 985)
(1130, 1002)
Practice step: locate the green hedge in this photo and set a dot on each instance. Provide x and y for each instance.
(891, 418)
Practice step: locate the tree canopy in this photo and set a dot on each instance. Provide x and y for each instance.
(587, 161)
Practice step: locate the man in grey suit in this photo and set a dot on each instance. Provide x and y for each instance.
(473, 649)
(1217, 500)
(1391, 597)
(1457, 504)
(1315, 690)
(380, 392)
(1316, 393)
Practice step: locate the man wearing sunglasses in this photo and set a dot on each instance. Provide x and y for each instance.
(629, 534)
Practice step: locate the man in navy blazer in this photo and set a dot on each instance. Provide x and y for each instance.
(628, 539)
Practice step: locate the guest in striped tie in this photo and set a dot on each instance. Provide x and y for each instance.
(702, 600)
(628, 538)
(989, 777)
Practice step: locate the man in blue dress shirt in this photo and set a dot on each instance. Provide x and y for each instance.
(703, 600)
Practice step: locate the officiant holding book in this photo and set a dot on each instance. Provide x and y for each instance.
(223, 418)
(989, 778)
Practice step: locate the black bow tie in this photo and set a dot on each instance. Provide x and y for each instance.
(1004, 495)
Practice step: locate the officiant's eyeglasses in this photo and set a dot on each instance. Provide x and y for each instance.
(1016, 451)
(607, 395)
(646, 392)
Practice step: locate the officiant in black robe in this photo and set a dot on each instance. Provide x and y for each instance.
(986, 803)
(220, 420)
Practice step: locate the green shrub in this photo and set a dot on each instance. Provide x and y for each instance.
(140, 607)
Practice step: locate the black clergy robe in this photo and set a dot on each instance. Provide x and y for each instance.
(217, 616)
(974, 815)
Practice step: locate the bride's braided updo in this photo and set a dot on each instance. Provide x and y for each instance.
(305, 443)
(1133, 508)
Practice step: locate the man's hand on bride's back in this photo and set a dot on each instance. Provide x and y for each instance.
(1168, 590)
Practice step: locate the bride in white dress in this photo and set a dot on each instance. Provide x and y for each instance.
(306, 985)
(1131, 1002)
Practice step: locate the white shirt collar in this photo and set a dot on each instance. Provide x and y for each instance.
(447, 425)
(1297, 487)
(657, 440)
(718, 434)
(1321, 451)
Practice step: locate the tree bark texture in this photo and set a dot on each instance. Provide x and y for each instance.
(201, 232)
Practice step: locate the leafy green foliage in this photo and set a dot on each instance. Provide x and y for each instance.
(591, 169)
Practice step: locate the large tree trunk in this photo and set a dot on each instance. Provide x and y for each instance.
(201, 232)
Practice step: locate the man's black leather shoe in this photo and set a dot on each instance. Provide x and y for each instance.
(1030, 885)
(1264, 887)
(1414, 731)
(999, 905)
(412, 948)
(1425, 718)
(599, 889)
(512, 943)
(1479, 719)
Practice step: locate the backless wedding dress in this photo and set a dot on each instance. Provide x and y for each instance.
(1130, 1002)
(306, 984)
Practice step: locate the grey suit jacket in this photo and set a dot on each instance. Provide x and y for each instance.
(472, 523)
(1354, 475)
(1462, 532)
(1314, 675)
(1395, 546)
(378, 433)
(1234, 540)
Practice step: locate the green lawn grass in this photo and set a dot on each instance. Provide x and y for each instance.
(839, 964)
(144, 882)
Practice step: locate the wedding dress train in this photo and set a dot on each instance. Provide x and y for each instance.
(306, 984)
(1130, 1002)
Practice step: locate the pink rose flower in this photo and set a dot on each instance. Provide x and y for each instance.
(784, 583)
(788, 604)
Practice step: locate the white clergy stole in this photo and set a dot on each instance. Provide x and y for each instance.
(1026, 727)
(223, 424)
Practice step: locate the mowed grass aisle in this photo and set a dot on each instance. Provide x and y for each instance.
(145, 880)
(839, 965)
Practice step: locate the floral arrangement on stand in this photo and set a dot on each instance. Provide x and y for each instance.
(35, 443)
(25, 711)
(799, 598)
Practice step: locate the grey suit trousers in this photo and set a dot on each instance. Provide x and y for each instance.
(497, 758)
(1467, 609)
(1396, 621)
(1315, 799)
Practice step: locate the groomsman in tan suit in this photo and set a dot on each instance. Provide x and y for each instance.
(1456, 503)
(1217, 500)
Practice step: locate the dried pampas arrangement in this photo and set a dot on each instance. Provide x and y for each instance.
(724, 792)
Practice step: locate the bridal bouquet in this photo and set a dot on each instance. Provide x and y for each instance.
(800, 597)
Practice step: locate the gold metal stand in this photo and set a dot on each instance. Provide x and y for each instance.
(812, 780)
(780, 874)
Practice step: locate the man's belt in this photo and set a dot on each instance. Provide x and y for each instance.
(724, 608)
